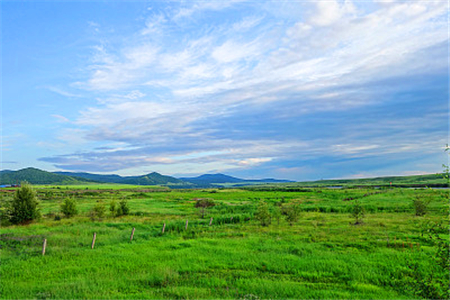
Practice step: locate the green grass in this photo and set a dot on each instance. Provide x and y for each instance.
(322, 256)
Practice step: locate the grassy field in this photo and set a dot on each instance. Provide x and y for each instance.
(322, 255)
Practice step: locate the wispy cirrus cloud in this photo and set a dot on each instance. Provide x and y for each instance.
(239, 88)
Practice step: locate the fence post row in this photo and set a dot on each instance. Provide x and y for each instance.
(210, 221)
(164, 227)
(187, 221)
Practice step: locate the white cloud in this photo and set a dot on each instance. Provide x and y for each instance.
(330, 12)
(172, 89)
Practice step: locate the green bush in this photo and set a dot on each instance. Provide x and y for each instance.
(203, 205)
(69, 207)
(263, 215)
(24, 206)
(123, 209)
(358, 212)
(292, 213)
(98, 211)
(420, 206)
(113, 208)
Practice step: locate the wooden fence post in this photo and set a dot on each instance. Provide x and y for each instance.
(93, 240)
(43, 246)
(187, 221)
(132, 234)
(231, 219)
(210, 221)
(164, 227)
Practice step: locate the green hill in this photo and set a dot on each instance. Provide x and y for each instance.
(36, 176)
(148, 179)
(428, 180)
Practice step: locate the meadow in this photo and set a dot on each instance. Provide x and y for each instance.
(392, 254)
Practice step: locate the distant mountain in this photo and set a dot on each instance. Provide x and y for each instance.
(218, 179)
(96, 177)
(36, 176)
(148, 179)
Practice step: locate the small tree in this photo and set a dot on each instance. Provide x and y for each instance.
(123, 209)
(420, 206)
(24, 206)
(276, 214)
(69, 207)
(358, 212)
(263, 214)
(203, 205)
(112, 208)
(98, 211)
(292, 213)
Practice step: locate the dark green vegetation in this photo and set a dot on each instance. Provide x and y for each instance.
(148, 179)
(431, 180)
(23, 207)
(36, 176)
(392, 254)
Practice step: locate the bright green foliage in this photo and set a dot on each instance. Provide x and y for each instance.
(119, 210)
(263, 215)
(24, 207)
(123, 209)
(113, 208)
(292, 213)
(5, 211)
(276, 214)
(69, 207)
(358, 212)
(98, 211)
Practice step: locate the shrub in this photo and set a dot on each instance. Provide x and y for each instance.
(113, 208)
(276, 214)
(203, 204)
(292, 213)
(98, 211)
(420, 206)
(5, 211)
(262, 214)
(358, 212)
(24, 206)
(69, 207)
(123, 209)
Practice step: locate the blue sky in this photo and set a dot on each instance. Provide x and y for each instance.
(300, 90)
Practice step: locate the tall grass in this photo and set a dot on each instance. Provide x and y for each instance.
(322, 256)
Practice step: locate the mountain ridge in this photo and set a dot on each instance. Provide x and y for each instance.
(37, 176)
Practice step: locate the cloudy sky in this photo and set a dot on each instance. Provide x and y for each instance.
(300, 90)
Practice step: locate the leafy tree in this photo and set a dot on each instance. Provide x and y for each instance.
(98, 211)
(358, 212)
(263, 215)
(203, 205)
(292, 213)
(113, 208)
(69, 207)
(276, 214)
(420, 206)
(123, 209)
(24, 206)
